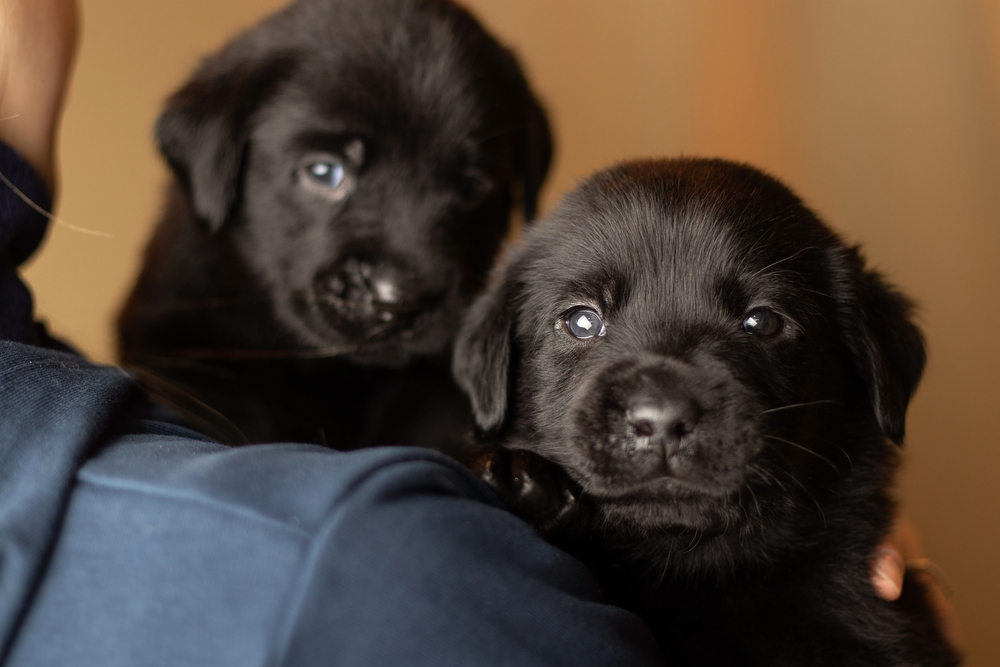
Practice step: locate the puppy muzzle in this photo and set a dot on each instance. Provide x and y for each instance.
(360, 298)
(666, 421)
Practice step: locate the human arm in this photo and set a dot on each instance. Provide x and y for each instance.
(37, 44)
(38, 48)
(150, 544)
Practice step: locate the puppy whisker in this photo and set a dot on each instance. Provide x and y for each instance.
(59, 221)
(203, 305)
(768, 478)
(825, 401)
(799, 405)
(806, 491)
(235, 354)
(787, 259)
(843, 451)
(805, 449)
(818, 293)
(695, 541)
(191, 357)
(756, 502)
(501, 132)
(666, 566)
(141, 362)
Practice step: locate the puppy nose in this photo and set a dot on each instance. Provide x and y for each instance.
(364, 283)
(663, 422)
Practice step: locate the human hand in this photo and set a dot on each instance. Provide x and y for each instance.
(900, 553)
(37, 47)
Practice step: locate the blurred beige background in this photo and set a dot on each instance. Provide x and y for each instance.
(885, 116)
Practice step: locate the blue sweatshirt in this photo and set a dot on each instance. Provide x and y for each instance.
(22, 229)
(128, 540)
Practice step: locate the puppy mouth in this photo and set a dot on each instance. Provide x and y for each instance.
(627, 488)
(670, 504)
(663, 430)
(371, 319)
(388, 312)
(664, 444)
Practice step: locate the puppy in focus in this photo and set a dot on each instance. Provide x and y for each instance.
(344, 174)
(692, 384)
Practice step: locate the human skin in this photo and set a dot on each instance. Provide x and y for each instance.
(38, 41)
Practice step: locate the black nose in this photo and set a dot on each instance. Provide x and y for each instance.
(367, 292)
(361, 283)
(662, 423)
(359, 295)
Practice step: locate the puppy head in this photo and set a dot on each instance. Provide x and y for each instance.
(694, 347)
(363, 157)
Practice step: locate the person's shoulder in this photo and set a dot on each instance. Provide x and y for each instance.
(177, 546)
(296, 485)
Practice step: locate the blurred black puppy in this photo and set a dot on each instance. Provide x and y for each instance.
(718, 376)
(345, 172)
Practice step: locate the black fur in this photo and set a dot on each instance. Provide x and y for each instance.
(725, 478)
(302, 314)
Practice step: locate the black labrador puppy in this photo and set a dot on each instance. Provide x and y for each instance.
(717, 381)
(345, 173)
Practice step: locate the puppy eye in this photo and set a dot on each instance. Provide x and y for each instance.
(328, 177)
(584, 323)
(473, 187)
(327, 174)
(763, 322)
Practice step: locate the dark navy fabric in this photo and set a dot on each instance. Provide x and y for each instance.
(128, 540)
(53, 410)
(22, 229)
(175, 550)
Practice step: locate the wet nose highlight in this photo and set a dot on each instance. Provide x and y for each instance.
(363, 282)
(667, 421)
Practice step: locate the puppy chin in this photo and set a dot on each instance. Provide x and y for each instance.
(652, 509)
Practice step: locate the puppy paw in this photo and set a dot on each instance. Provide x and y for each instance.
(531, 487)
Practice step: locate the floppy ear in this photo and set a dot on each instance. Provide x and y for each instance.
(887, 346)
(482, 359)
(534, 155)
(204, 129)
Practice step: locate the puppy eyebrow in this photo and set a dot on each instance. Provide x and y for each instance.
(609, 297)
(334, 142)
(603, 289)
(616, 292)
(730, 291)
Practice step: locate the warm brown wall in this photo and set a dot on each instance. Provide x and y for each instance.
(884, 115)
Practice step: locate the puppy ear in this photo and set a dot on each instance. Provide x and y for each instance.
(204, 129)
(482, 357)
(535, 155)
(888, 347)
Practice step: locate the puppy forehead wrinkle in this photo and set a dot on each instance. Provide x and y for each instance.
(380, 58)
(430, 95)
(680, 246)
(682, 262)
(421, 112)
